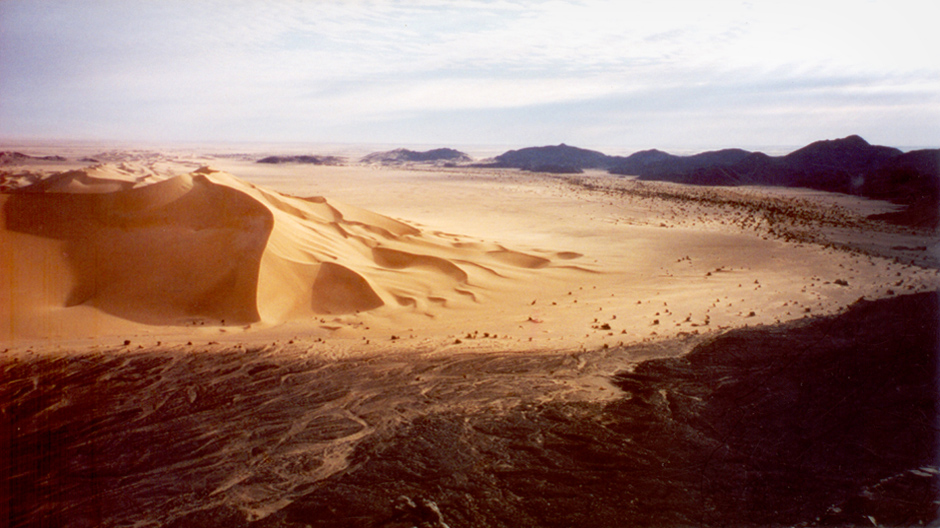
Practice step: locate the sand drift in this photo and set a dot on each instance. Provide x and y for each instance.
(208, 246)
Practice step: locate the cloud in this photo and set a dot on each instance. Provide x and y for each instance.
(212, 67)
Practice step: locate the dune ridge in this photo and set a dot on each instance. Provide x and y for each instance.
(206, 246)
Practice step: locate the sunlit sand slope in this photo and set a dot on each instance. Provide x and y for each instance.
(101, 247)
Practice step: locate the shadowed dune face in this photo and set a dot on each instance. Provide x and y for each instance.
(519, 259)
(182, 247)
(207, 246)
(394, 259)
(338, 289)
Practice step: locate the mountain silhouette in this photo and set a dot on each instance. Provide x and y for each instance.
(404, 155)
(848, 165)
(556, 158)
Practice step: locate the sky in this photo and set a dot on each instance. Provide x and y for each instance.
(593, 73)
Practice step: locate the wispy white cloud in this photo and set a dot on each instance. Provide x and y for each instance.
(183, 65)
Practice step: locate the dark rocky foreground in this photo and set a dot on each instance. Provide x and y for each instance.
(830, 421)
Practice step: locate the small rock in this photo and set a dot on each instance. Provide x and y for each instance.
(422, 512)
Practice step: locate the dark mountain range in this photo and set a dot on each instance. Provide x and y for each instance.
(905, 176)
(404, 155)
(313, 160)
(655, 162)
(838, 165)
(849, 153)
(557, 159)
(849, 165)
(913, 179)
(567, 159)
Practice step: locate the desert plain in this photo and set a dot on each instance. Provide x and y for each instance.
(192, 338)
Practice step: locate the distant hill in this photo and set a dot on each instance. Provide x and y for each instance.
(556, 159)
(567, 159)
(404, 156)
(657, 162)
(849, 165)
(7, 157)
(313, 160)
(838, 165)
(913, 178)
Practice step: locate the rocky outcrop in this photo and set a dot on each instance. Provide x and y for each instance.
(8, 157)
(558, 158)
(398, 156)
(312, 160)
(849, 165)
(828, 421)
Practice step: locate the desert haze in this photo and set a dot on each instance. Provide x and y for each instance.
(549, 337)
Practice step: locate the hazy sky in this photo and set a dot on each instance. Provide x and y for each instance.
(588, 73)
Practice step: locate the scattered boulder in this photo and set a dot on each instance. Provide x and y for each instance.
(421, 513)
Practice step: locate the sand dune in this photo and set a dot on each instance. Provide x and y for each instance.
(206, 247)
(150, 250)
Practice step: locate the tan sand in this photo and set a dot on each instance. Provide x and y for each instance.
(208, 248)
(450, 259)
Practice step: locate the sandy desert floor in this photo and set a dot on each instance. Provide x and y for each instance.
(488, 325)
(549, 262)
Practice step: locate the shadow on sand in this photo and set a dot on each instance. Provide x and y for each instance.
(829, 421)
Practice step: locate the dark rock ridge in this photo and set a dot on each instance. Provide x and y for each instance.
(557, 158)
(18, 157)
(913, 178)
(656, 162)
(567, 159)
(313, 160)
(830, 165)
(404, 155)
(849, 165)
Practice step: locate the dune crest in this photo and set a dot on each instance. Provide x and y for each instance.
(209, 247)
